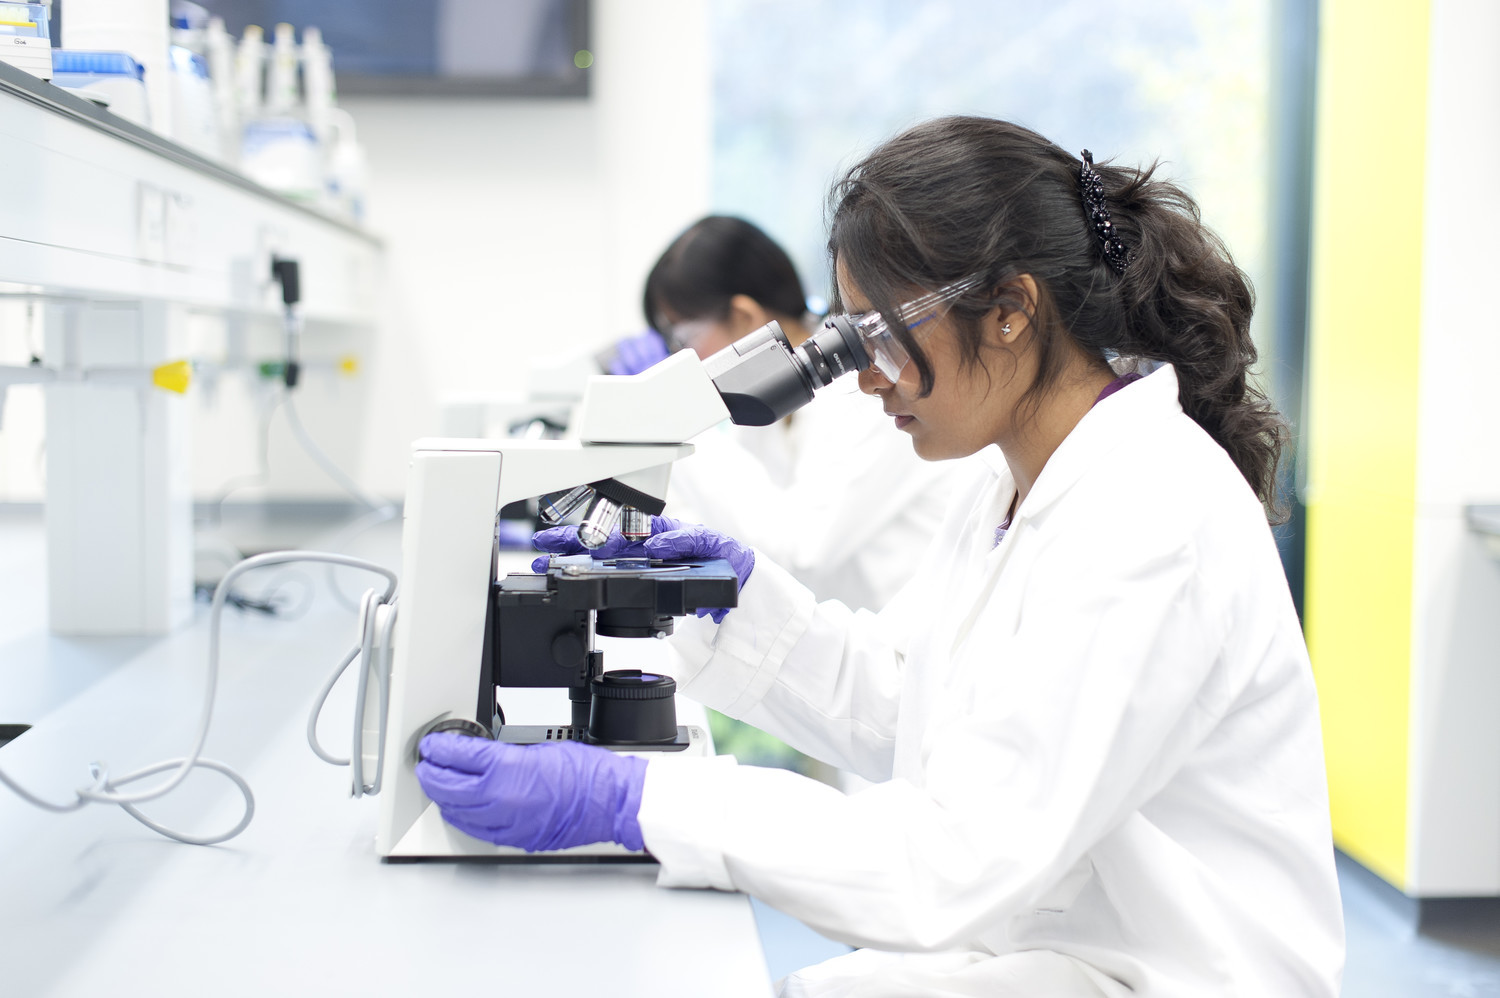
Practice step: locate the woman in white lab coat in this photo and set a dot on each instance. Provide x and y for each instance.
(829, 493)
(1091, 715)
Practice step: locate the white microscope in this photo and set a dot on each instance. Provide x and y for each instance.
(461, 633)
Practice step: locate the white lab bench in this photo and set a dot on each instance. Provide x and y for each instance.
(94, 903)
(122, 236)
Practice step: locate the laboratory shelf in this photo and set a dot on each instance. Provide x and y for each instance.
(98, 208)
(123, 236)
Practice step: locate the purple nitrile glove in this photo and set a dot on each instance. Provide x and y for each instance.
(534, 797)
(670, 540)
(693, 540)
(564, 540)
(634, 354)
(513, 535)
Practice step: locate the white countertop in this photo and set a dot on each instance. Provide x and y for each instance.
(94, 903)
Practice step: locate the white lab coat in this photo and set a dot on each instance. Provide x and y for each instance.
(1099, 741)
(836, 495)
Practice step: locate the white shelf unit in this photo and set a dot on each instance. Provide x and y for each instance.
(120, 232)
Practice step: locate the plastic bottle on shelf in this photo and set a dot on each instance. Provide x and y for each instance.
(347, 172)
(281, 153)
(249, 61)
(139, 27)
(277, 146)
(195, 123)
(317, 81)
(218, 49)
(282, 95)
(189, 20)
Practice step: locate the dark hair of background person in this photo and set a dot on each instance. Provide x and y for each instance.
(963, 196)
(716, 258)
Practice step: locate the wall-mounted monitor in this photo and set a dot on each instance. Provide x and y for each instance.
(457, 48)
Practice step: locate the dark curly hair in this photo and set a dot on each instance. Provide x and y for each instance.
(963, 196)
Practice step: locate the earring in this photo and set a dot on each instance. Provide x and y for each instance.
(1005, 329)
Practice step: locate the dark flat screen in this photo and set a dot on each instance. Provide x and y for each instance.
(522, 48)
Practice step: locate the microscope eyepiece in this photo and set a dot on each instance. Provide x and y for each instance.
(835, 350)
(762, 377)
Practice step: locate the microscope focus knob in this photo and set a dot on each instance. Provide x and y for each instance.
(458, 725)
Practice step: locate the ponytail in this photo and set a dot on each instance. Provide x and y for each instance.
(1187, 303)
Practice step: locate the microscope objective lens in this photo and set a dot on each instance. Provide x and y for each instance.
(558, 506)
(599, 522)
(634, 524)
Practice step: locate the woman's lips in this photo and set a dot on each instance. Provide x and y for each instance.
(901, 420)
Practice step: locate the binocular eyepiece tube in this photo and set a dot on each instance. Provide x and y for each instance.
(762, 377)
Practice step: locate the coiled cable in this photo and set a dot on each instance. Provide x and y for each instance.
(105, 789)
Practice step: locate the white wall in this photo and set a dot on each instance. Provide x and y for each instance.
(525, 228)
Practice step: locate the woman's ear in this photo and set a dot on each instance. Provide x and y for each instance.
(746, 315)
(1010, 321)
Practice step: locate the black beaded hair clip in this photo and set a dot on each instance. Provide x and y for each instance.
(1091, 186)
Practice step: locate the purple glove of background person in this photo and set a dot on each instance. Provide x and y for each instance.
(670, 540)
(534, 797)
(634, 354)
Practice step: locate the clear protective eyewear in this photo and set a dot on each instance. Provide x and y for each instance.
(689, 334)
(887, 355)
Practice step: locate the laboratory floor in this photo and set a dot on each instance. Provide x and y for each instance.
(1396, 948)
(1400, 949)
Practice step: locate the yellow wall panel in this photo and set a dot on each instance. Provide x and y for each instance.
(1362, 410)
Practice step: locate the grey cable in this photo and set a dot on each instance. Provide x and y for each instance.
(380, 510)
(370, 646)
(357, 787)
(317, 710)
(333, 471)
(262, 474)
(103, 790)
(368, 521)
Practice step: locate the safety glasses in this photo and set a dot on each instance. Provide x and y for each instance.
(887, 355)
(689, 334)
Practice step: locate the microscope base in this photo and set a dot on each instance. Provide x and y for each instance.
(431, 838)
(689, 739)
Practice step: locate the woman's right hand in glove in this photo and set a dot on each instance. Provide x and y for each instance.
(670, 540)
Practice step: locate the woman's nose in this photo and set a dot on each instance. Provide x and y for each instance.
(872, 381)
